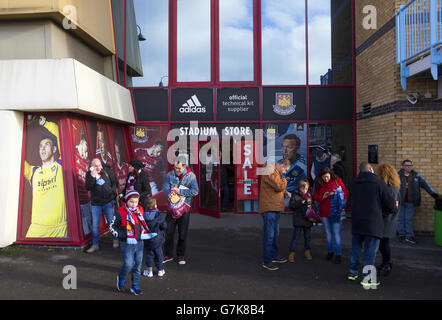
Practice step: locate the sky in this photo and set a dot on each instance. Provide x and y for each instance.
(283, 41)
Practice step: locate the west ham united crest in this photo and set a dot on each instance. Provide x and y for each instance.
(284, 104)
(140, 135)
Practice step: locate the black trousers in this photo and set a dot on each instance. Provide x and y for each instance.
(183, 227)
(385, 250)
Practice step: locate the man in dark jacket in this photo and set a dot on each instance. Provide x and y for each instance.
(369, 197)
(411, 183)
(103, 186)
(138, 180)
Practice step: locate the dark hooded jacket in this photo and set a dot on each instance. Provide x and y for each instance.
(157, 225)
(370, 197)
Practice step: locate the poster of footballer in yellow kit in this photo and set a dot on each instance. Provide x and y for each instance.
(43, 204)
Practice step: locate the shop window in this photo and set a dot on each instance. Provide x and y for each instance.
(283, 42)
(290, 143)
(150, 146)
(193, 41)
(236, 40)
(152, 20)
(330, 43)
(327, 139)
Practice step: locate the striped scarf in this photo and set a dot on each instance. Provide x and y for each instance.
(135, 217)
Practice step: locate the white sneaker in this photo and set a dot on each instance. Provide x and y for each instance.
(161, 273)
(148, 273)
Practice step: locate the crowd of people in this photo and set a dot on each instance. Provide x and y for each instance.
(382, 206)
(136, 224)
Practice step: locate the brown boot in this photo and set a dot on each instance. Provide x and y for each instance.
(291, 256)
(92, 249)
(308, 255)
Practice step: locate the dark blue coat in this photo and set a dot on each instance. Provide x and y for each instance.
(157, 225)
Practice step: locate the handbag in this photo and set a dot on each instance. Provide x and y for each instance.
(311, 215)
(177, 205)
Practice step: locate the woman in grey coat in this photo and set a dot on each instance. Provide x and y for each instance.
(388, 173)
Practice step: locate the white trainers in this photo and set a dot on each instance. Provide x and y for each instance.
(148, 273)
(93, 249)
(161, 273)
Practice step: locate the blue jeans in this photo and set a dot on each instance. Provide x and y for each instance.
(132, 261)
(371, 245)
(96, 216)
(297, 235)
(155, 256)
(271, 234)
(405, 221)
(333, 236)
(86, 217)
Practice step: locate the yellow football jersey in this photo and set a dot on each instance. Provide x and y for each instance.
(48, 199)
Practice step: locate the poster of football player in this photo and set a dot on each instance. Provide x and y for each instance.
(150, 147)
(290, 143)
(81, 166)
(121, 166)
(43, 212)
(102, 150)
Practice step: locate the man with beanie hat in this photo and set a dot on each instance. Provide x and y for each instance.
(138, 180)
(322, 160)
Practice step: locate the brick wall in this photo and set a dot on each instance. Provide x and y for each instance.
(414, 135)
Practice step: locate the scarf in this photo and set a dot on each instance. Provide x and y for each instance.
(185, 172)
(130, 184)
(100, 181)
(135, 217)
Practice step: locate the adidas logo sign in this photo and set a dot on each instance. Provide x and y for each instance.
(192, 105)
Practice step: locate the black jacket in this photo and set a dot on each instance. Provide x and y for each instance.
(157, 225)
(299, 210)
(339, 170)
(391, 217)
(101, 195)
(415, 183)
(141, 185)
(370, 197)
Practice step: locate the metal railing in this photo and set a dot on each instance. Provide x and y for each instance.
(418, 32)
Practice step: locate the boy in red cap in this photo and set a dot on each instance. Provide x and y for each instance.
(129, 226)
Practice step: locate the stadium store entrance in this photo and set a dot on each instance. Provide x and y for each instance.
(239, 125)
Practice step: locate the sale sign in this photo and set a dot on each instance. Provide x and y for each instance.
(246, 176)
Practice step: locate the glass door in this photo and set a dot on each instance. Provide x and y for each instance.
(209, 179)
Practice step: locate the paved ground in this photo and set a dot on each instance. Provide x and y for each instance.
(224, 263)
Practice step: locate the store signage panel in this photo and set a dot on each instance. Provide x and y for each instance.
(151, 104)
(331, 103)
(238, 104)
(190, 104)
(284, 103)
